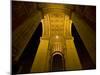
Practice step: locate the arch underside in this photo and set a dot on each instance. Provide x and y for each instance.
(56, 40)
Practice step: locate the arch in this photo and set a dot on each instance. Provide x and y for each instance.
(57, 62)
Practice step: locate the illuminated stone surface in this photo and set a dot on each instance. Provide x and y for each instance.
(57, 32)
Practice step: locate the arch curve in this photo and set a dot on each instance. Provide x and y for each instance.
(57, 62)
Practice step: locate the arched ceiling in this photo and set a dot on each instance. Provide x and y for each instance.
(56, 21)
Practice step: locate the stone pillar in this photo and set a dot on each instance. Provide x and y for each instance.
(40, 63)
(22, 35)
(72, 61)
(87, 35)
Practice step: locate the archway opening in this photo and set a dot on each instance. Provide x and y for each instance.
(57, 63)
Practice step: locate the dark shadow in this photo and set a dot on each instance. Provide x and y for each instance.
(57, 63)
(83, 54)
(26, 60)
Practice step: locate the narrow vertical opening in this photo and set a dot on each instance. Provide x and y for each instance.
(83, 54)
(57, 63)
(27, 58)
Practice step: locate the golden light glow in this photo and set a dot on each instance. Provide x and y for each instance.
(57, 31)
(57, 36)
